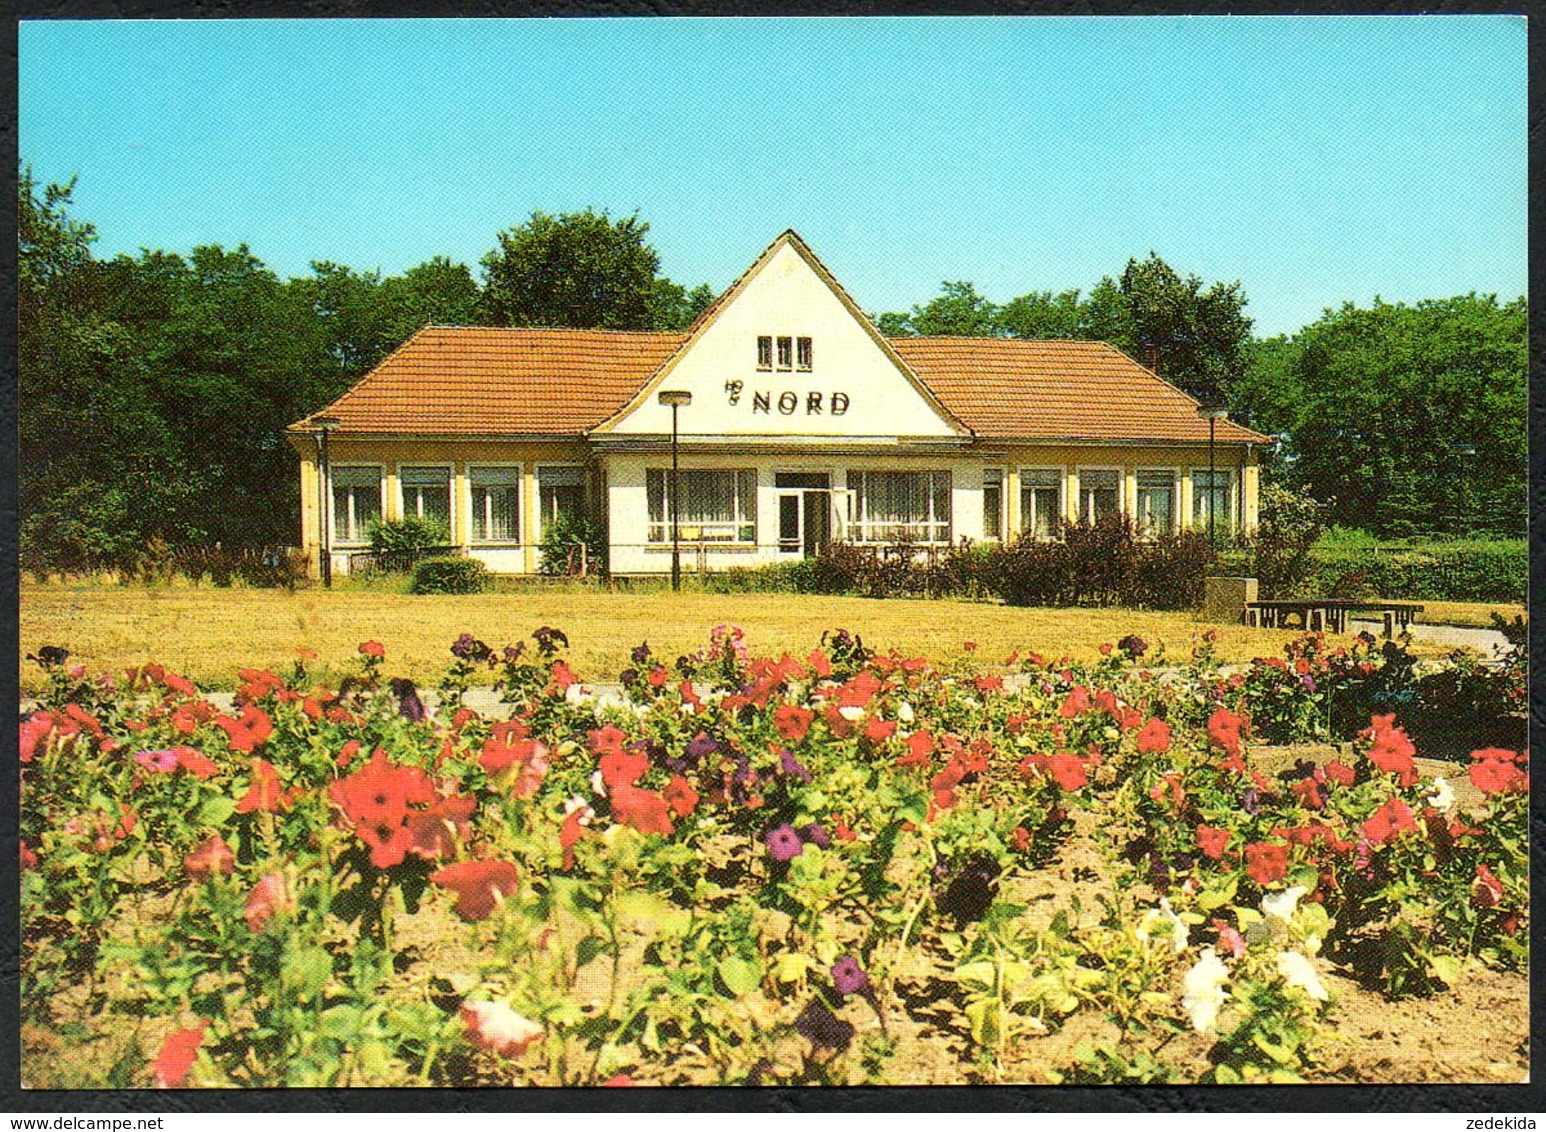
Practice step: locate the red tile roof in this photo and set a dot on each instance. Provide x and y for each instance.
(482, 381)
(478, 380)
(1014, 389)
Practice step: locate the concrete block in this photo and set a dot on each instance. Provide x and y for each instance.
(1224, 599)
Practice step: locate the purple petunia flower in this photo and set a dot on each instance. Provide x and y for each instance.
(409, 704)
(823, 1028)
(792, 766)
(849, 977)
(641, 653)
(784, 843)
(1309, 682)
(700, 747)
(1248, 801)
(813, 834)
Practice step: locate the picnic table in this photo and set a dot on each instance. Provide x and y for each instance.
(1327, 614)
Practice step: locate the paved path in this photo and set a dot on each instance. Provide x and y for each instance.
(1484, 641)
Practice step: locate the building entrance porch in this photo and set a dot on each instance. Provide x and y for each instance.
(805, 512)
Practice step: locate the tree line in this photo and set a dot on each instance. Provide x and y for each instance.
(154, 388)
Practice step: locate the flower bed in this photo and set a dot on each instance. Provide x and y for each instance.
(836, 868)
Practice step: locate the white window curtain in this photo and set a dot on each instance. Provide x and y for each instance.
(1041, 501)
(1099, 493)
(900, 506)
(356, 502)
(718, 504)
(427, 495)
(1156, 501)
(496, 504)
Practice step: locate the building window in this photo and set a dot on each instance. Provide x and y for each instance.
(496, 504)
(718, 504)
(1100, 493)
(1041, 502)
(900, 506)
(802, 353)
(560, 491)
(427, 496)
(1212, 497)
(993, 504)
(786, 353)
(356, 502)
(1156, 501)
(765, 352)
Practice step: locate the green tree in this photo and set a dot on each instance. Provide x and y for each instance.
(579, 269)
(1195, 337)
(1041, 314)
(1407, 419)
(674, 307)
(958, 310)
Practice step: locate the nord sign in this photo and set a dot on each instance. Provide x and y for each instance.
(788, 402)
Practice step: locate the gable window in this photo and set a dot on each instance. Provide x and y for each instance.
(1041, 502)
(786, 353)
(993, 504)
(1156, 501)
(765, 351)
(560, 491)
(1211, 497)
(900, 506)
(427, 496)
(356, 502)
(1099, 493)
(496, 504)
(718, 504)
(802, 353)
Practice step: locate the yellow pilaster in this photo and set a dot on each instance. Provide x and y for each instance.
(461, 507)
(1186, 498)
(310, 515)
(1130, 490)
(392, 508)
(1251, 484)
(1012, 503)
(1071, 495)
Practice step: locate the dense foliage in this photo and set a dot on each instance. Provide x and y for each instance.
(448, 574)
(154, 389)
(747, 870)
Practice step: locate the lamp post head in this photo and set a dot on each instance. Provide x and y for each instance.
(675, 397)
(1213, 412)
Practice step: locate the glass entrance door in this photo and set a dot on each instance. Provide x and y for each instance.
(804, 512)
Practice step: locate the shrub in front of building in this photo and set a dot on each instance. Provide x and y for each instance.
(1104, 563)
(448, 576)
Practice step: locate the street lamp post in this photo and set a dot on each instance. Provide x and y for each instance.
(1212, 414)
(676, 398)
(324, 426)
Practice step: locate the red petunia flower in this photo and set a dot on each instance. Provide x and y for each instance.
(920, 746)
(645, 810)
(1391, 751)
(35, 730)
(1154, 739)
(1487, 891)
(479, 885)
(211, 857)
(1309, 793)
(1341, 774)
(819, 665)
(1020, 839)
(268, 898)
(1068, 771)
(1492, 776)
(1169, 787)
(195, 763)
(29, 859)
(1394, 817)
(564, 678)
(859, 691)
(372, 649)
(680, 796)
(251, 728)
(1224, 728)
(376, 799)
(1077, 702)
(496, 1027)
(178, 1053)
(264, 794)
(434, 832)
(1266, 863)
(1211, 842)
(792, 722)
(879, 730)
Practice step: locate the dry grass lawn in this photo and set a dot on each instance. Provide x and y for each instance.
(208, 633)
(1474, 614)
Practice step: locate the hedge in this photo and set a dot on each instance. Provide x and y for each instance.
(448, 576)
(1460, 571)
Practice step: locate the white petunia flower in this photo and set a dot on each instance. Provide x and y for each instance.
(1297, 971)
(904, 712)
(1441, 795)
(851, 713)
(578, 803)
(1203, 990)
(1281, 905)
(1169, 923)
(598, 785)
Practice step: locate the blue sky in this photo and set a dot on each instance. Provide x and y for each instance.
(1314, 159)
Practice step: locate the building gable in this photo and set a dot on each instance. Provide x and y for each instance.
(786, 353)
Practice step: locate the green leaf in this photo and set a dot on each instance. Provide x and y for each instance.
(589, 947)
(216, 811)
(1210, 898)
(341, 1022)
(740, 975)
